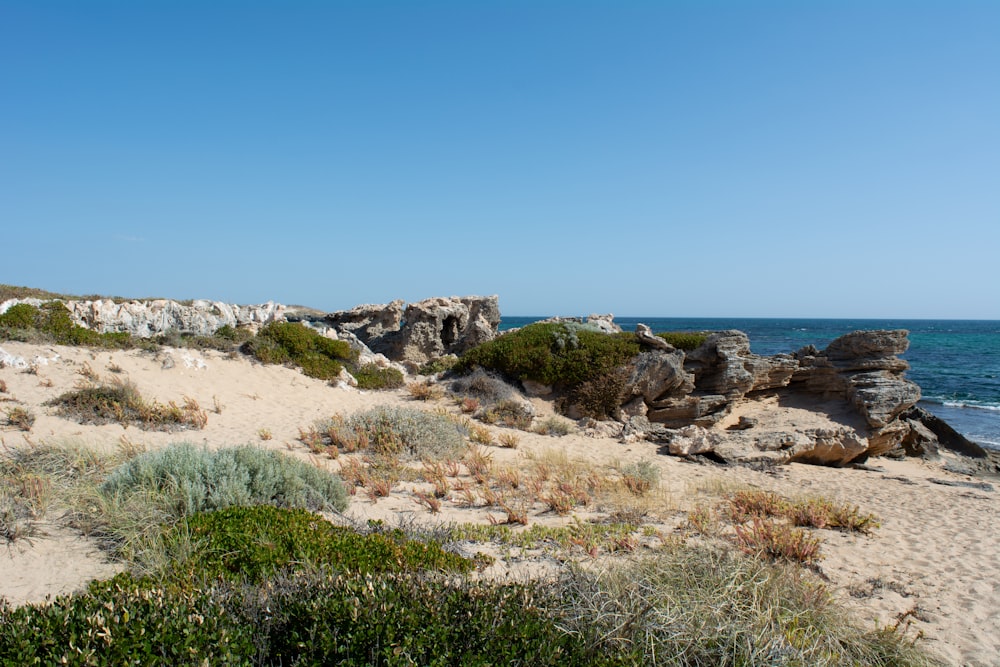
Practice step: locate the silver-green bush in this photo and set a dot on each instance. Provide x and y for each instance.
(195, 479)
(409, 432)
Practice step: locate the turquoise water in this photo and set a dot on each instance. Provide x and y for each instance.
(955, 362)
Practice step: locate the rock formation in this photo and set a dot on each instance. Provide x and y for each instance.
(418, 332)
(684, 395)
(145, 319)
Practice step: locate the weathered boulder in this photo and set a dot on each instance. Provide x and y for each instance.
(826, 446)
(419, 332)
(702, 410)
(724, 364)
(646, 338)
(946, 436)
(657, 373)
(368, 321)
(862, 368)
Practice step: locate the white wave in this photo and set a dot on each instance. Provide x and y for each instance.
(974, 406)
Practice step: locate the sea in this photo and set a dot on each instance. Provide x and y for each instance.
(955, 362)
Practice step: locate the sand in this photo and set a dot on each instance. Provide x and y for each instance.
(935, 560)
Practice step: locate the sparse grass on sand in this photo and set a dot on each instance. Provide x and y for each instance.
(682, 604)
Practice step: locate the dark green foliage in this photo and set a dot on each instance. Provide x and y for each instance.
(684, 340)
(52, 322)
(562, 354)
(373, 376)
(255, 542)
(196, 479)
(19, 316)
(307, 618)
(284, 342)
(125, 621)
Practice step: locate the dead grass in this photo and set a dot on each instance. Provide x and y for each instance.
(20, 418)
(118, 401)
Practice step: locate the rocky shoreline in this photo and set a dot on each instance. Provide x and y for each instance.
(673, 397)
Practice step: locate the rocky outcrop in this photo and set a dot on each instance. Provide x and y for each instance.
(145, 319)
(418, 332)
(862, 368)
(824, 446)
(683, 396)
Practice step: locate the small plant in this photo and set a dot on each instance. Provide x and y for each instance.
(480, 435)
(424, 391)
(432, 503)
(373, 376)
(3, 387)
(555, 426)
(512, 413)
(479, 464)
(468, 405)
(559, 502)
(439, 365)
(509, 440)
(778, 541)
(21, 418)
(264, 433)
(119, 401)
(703, 520)
(88, 372)
(640, 477)
(823, 513)
(402, 431)
(750, 504)
(193, 479)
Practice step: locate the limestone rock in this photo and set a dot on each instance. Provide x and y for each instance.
(145, 319)
(647, 338)
(368, 321)
(657, 373)
(698, 410)
(419, 332)
(947, 437)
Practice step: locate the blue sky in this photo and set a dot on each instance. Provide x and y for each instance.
(744, 159)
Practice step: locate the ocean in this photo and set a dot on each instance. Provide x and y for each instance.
(955, 362)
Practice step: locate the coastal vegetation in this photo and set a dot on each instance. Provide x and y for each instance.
(227, 561)
(559, 354)
(117, 400)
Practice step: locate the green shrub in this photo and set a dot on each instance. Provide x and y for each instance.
(307, 618)
(395, 431)
(373, 376)
(561, 354)
(52, 322)
(20, 316)
(193, 479)
(255, 542)
(684, 340)
(283, 342)
(125, 621)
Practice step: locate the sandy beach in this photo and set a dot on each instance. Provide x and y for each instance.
(935, 559)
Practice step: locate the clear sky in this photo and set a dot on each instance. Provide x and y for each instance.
(704, 158)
